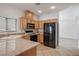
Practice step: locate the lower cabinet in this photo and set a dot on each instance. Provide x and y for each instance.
(23, 23)
(40, 38)
(30, 52)
(37, 38)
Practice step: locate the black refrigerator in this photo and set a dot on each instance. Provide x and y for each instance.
(50, 35)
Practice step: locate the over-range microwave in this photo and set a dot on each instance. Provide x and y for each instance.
(30, 26)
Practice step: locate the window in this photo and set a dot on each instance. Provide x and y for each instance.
(2, 24)
(11, 24)
(8, 24)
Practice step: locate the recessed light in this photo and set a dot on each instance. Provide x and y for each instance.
(39, 11)
(52, 7)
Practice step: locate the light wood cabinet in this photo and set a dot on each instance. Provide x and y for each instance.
(41, 23)
(29, 16)
(23, 23)
(40, 38)
(30, 52)
(36, 22)
(50, 20)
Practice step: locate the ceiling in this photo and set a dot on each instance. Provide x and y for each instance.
(45, 7)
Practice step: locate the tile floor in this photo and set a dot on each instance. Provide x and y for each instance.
(67, 47)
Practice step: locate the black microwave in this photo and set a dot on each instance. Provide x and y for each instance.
(30, 26)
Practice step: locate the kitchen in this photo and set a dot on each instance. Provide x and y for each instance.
(27, 24)
(27, 32)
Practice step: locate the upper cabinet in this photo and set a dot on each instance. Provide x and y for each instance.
(41, 24)
(23, 23)
(29, 16)
(50, 20)
(36, 22)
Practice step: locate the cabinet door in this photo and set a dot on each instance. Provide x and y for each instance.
(40, 38)
(41, 24)
(36, 24)
(23, 23)
(29, 15)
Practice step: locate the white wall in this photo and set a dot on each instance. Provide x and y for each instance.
(11, 12)
(69, 22)
(48, 16)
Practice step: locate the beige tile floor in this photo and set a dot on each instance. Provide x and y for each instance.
(67, 47)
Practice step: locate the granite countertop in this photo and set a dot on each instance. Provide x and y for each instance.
(8, 33)
(31, 33)
(21, 45)
(4, 34)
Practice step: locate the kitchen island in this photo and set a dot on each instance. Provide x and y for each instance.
(21, 46)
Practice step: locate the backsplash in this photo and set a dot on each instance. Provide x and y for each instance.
(40, 30)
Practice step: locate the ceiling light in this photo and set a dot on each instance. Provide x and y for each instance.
(52, 7)
(39, 11)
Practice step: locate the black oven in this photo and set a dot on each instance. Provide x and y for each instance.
(30, 26)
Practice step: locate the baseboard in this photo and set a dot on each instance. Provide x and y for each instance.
(68, 38)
